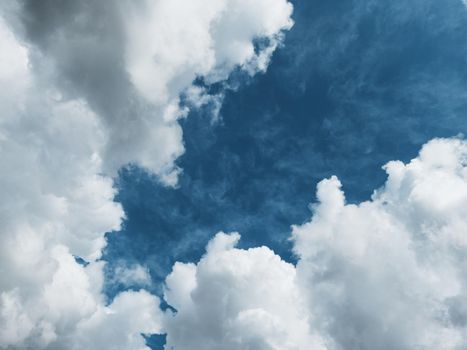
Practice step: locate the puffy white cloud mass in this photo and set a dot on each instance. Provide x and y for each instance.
(55, 205)
(388, 273)
(79, 99)
(177, 41)
(237, 299)
(131, 60)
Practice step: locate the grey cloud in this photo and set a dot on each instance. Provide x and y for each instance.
(131, 61)
(85, 42)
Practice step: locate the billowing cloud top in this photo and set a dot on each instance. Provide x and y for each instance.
(388, 273)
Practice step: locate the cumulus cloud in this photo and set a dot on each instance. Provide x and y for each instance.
(119, 326)
(55, 206)
(178, 41)
(236, 299)
(388, 273)
(93, 86)
(131, 60)
(72, 111)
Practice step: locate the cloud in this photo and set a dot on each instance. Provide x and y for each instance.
(177, 42)
(92, 87)
(236, 299)
(72, 113)
(119, 326)
(388, 273)
(131, 60)
(55, 206)
(132, 275)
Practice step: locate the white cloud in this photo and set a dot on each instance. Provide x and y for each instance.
(236, 299)
(168, 44)
(178, 41)
(132, 275)
(388, 273)
(54, 206)
(69, 117)
(119, 326)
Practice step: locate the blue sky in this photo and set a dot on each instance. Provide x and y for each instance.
(233, 174)
(355, 85)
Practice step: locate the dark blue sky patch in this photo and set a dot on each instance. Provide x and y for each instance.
(156, 341)
(357, 83)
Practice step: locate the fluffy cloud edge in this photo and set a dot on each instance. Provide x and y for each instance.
(384, 273)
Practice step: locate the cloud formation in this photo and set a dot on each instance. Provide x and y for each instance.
(388, 273)
(131, 60)
(55, 206)
(92, 87)
(74, 110)
(237, 299)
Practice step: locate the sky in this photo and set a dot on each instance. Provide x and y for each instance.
(233, 174)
